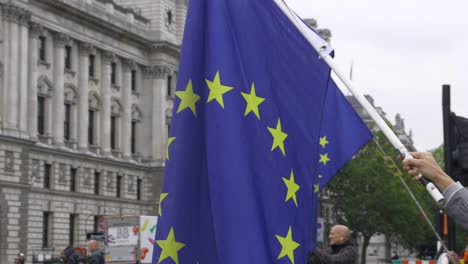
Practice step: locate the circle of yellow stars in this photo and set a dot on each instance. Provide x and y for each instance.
(217, 90)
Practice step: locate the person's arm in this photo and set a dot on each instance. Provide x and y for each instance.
(424, 163)
(456, 205)
(346, 255)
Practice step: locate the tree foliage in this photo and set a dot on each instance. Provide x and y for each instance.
(370, 198)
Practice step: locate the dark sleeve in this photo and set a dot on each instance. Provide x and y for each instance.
(345, 256)
(457, 208)
(93, 259)
(312, 258)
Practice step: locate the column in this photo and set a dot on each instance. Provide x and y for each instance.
(6, 65)
(60, 40)
(83, 84)
(107, 59)
(23, 74)
(126, 89)
(158, 128)
(13, 16)
(35, 30)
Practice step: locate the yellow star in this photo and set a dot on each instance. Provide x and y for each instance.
(169, 142)
(169, 247)
(324, 158)
(316, 188)
(292, 188)
(253, 101)
(161, 199)
(188, 99)
(323, 141)
(288, 245)
(217, 90)
(278, 137)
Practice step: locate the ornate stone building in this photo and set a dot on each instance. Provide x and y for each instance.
(86, 94)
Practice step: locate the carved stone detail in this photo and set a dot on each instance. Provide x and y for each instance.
(128, 65)
(136, 113)
(12, 13)
(155, 71)
(25, 18)
(36, 29)
(94, 101)
(108, 57)
(86, 49)
(116, 107)
(61, 39)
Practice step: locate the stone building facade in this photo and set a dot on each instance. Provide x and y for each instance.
(86, 95)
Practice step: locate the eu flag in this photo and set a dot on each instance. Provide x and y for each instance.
(252, 106)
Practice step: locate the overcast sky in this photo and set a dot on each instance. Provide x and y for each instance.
(403, 51)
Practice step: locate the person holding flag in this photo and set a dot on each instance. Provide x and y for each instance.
(258, 129)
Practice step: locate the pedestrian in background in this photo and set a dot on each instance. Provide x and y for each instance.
(97, 255)
(20, 258)
(343, 249)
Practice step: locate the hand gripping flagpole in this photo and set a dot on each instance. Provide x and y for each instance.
(324, 49)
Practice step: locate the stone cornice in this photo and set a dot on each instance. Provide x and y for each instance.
(78, 195)
(155, 71)
(166, 47)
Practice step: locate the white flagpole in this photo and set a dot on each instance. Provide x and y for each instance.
(324, 49)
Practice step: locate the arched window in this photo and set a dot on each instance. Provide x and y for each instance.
(70, 119)
(95, 105)
(116, 112)
(44, 106)
(136, 120)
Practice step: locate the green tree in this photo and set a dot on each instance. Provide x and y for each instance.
(370, 198)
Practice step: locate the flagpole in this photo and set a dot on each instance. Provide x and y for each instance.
(380, 122)
(324, 50)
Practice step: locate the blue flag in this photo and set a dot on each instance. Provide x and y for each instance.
(253, 102)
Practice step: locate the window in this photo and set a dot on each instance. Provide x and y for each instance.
(113, 72)
(96, 223)
(73, 220)
(139, 185)
(169, 17)
(67, 122)
(97, 184)
(91, 127)
(118, 186)
(169, 85)
(47, 172)
(68, 57)
(133, 81)
(73, 179)
(113, 132)
(42, 48)
(41, 115)
(45, 229)
(133, 137)
(91, 66)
